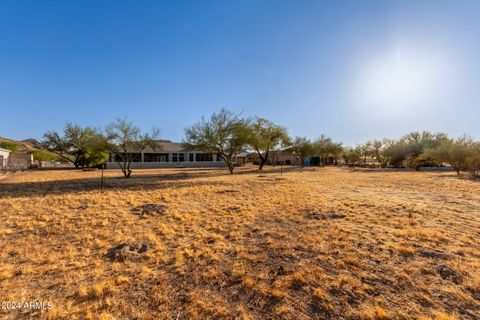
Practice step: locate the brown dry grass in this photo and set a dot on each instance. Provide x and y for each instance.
(323, 244)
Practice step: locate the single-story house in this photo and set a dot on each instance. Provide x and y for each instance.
(4, 155)
(170, 154)
(278, 157)
(241, 158)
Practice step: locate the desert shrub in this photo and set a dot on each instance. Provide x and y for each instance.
(415, 162)
(352, 155)
(44, 155)
(9, 145)
(454, 153)
(473, 164)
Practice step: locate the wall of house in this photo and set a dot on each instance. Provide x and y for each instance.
(22, 156)
(166, 159)
(3, 157)
(155, 165)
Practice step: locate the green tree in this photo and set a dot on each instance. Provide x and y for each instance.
(325, 147)
(44, 155)
(415, 143)
(264, 137)
(225, 133)
(365, 152)
(381, 151)
(10, 145)
(77, 145)
(352, 156)
(473, 164)
(303, 148)
(453, 152)
(125, 142)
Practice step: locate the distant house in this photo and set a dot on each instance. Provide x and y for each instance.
(277, 157)
(4, 155)
(170, 154)
(241, 158)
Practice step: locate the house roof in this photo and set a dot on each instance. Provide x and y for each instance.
(5, 150)
(166, 146)
(243, 154)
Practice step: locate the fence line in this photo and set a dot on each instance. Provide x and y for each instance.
(12, 164)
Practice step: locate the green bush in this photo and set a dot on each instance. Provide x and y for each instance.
(44, 155)
(9, 145)
(473, 165)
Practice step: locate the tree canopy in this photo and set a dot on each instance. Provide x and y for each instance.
(303, 148)
(81, 146)
(264, 137)
(125, 142)
(225, 133)
(325, 147)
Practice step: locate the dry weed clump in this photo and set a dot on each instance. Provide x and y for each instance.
(201, 244)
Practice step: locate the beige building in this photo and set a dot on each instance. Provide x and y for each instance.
(171, 155)
(280, 157)
(4, 155)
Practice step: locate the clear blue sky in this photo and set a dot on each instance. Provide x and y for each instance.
(353, 70)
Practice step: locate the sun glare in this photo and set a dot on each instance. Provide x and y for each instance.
(397, 83)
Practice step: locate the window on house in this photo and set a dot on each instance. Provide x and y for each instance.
(155, 157)
(203, 157)
(178, 157)
(190, 158)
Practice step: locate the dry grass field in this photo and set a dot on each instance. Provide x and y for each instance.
(328, 243)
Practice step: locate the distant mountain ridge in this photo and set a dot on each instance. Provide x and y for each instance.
(25, 146)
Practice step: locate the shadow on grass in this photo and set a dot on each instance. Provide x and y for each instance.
(178, 179)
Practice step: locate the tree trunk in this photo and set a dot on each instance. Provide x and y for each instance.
(262, 163)
(125, 168)
(263, 160)
(230, 167)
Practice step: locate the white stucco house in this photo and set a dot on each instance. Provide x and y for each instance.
(170, 154)
(4, 154)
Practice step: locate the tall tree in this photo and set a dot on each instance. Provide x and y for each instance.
(381, 151)
(453, 152)
(417, 142)
(325, 147)
(225, 134)
(125, 142)
(352, 155)
(80, 146)
(265, 136)
(473, 162)
(365, 152)
(413, 145)
(303, 148)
